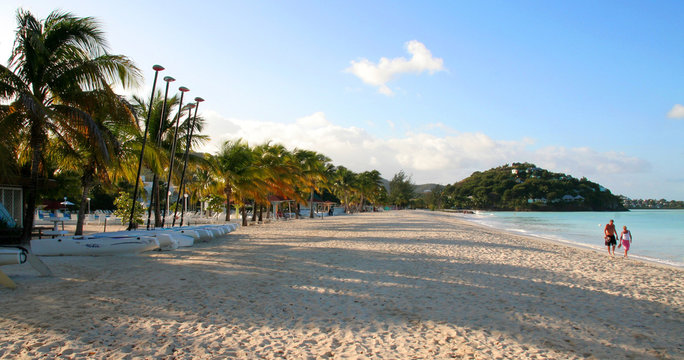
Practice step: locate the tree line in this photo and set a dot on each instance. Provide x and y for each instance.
(65, 130)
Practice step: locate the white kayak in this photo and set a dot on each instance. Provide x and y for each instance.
(94, 245)
(12, 256)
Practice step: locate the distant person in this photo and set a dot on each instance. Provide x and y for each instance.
(611, 236)
(625, 239)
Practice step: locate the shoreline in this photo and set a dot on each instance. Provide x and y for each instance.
(571, 243)
(396, 284)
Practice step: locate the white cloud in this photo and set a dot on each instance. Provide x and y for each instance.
(388, 69)
(445, 158)
(677, 112)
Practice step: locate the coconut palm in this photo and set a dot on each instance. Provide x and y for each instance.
(235, 164)
(371, 187)
(113, 117)
(343, 185)
(313, 167)
(52, 63)
(279, 171)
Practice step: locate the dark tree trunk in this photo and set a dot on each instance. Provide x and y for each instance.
(86, 183)
(254, 210)
(32, 193)
(156, 193)
(228, 192)
(244, 214)
(311, 210)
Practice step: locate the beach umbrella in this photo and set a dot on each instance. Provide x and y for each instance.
(157, 69)
(67, 203)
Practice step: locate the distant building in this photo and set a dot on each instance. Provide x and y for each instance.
(572, 198)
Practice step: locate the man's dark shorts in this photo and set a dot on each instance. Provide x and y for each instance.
(610, 240)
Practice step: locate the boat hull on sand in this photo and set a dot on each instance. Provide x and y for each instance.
(93, 245)
(12, 256)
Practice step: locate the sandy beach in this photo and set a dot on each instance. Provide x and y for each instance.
(392, 285)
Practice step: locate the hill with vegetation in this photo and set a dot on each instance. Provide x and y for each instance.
(524, 186)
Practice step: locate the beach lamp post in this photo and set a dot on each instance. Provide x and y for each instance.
(88, 205)
(157, 69)
(185, 208)
(183, 90)
(181, 187)
(155, 186)
(190, 131)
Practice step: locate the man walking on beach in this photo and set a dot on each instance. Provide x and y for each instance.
(611, 236)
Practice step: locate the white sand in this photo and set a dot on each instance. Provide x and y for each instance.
(395, 285)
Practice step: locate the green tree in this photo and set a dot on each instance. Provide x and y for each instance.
(235, 165)
(401, 189)
(313, 169)
(52, 63)
(370, 187)
(123, 208)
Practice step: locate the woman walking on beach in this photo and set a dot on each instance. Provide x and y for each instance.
(625, 239)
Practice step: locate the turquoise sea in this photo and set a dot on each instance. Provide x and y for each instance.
(658, 235)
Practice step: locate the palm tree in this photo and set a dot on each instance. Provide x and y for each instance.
(201, 182)
(235, 164)
(278, 171)
(312, 167)
(51, 65)
(343, 185)
(113, 117)
(370, 184)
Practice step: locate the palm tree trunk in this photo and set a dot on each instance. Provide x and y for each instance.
(86, 183)
(254, 210)
(244, 213)
(32, 193)
(228, 192)
(311, 211)
(156, 192)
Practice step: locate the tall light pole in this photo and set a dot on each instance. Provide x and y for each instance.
(183, 90)
(190, 131)
(181, 188)
(157, 69)
(155, 186)
(88, 205)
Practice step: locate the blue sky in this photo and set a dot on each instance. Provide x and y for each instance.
(437, 89)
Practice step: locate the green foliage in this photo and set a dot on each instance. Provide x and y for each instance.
(214, 203)
(652, 203)
(401, 190)
(123, 208)
(523, 186)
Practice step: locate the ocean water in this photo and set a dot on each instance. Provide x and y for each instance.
(658, 235)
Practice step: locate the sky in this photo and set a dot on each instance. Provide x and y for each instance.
(437, 89)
